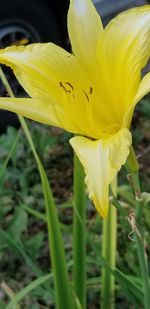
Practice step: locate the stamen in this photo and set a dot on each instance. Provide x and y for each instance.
(70, 85)
(91, 90)
(67, 87)
(64, 88)
(86, 96)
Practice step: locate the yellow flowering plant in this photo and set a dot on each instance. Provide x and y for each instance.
(91, 92)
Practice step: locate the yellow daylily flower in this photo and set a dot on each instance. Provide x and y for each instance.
(92, 92)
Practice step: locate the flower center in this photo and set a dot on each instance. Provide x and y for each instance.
(111, 129)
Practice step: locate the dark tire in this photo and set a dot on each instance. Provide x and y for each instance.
(35, 19)
(35, 15)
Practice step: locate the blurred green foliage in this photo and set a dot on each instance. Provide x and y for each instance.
(24, 253)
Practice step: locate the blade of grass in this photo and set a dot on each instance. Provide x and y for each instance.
(3, 167)
(127, 196)
(129, 286)
(56, 248)
(42, 216)
(9, 292)
(64, 298)
(141, 249)
(18, 248)
(27, 289)
(132, 291)
(78, 304)
(109, 253)
(79, 233)
(35, 213)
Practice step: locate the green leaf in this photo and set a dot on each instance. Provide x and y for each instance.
(130, 285)
(35, 213)
(11, 146)
(26, 290)
(132, 290)
(77, 301)
(2, 305)
(79, 234)
(34, 244)
(56, 248)
(18, 223)
(18, 247)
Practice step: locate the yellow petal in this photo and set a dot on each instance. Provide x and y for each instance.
(143, 89)
(94, 158)
(39, 68)
(54, 77)
(34, 109)
(102, 159)
(122, 52)
(85, 29)
(42, 111)
(118, 145)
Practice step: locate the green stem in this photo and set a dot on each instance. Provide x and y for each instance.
(144, 270)
(117, 204)
(109, 254)
(79, 233)
(127, 196)
(138, 197)
(140, 242)
(63, 291)
(132, 164)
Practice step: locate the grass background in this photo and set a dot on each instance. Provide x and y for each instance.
(24, 251)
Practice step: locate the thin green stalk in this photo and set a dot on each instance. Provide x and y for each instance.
(138, 198)
(144, 270)
(64, 298)
(79, 233)
(26, 290)
(109, 254)
(63, 290)
(117, 204)
(127, 197)
(140, 242)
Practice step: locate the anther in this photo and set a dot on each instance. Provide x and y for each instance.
(70, 85)
(86, 96)
(91, 90)
(64, 88)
